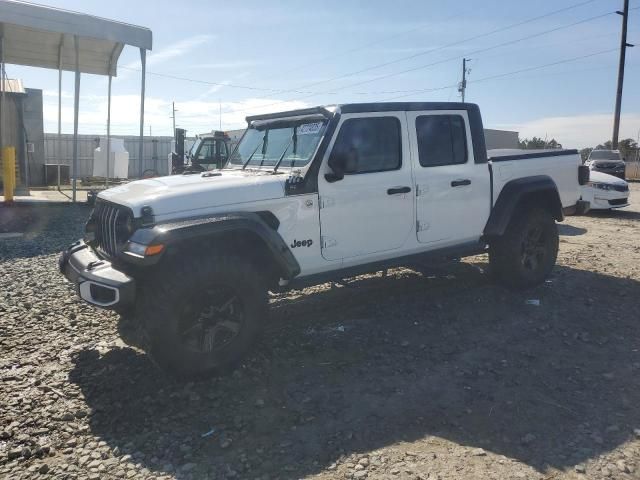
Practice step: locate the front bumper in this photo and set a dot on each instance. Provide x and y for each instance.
(602, 202)
(96, 280)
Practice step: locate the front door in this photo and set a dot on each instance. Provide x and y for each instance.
(452, 191)
(371, 209)
(212, 153)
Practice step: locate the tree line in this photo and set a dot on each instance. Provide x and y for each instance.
(628, 147)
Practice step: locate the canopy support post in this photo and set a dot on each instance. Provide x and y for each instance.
(143, 60)
(4, 87)
(106, 181)
(76, 106)
(59, 152)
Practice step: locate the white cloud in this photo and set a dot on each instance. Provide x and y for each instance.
(196, 116)
(178, 49)
(213, 89)
(578, 131)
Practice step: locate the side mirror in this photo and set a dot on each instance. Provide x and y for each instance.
(337, 163)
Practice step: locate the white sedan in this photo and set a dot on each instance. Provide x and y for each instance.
(605, 192)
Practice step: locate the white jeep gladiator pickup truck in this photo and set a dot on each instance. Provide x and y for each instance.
(309, 196)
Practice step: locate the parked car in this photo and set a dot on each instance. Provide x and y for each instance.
(607, 161)
(604, 192)
(310, 196)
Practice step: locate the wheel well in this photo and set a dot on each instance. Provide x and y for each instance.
(519, 195)
(547, 199)
(243, 243)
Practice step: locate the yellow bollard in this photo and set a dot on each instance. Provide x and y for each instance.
(9, 172)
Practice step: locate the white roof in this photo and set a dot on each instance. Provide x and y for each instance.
(33, 34)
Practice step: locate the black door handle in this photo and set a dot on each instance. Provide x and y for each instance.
(397, 190)
(460, 183)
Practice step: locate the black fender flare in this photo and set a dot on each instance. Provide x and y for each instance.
(173, 233)
(513, 193)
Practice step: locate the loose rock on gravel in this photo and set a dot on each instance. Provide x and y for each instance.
(427, 373)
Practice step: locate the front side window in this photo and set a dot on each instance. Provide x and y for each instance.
(442, 140)
(367, 145)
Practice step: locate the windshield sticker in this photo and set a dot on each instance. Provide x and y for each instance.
(309, 128)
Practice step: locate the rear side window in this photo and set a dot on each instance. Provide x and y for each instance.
(442, 140)
(369, 144)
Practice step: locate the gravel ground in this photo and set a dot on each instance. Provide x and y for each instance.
(423, 374)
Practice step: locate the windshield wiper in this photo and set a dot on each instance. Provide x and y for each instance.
(244, 165)
(294, 140)
(275, 167)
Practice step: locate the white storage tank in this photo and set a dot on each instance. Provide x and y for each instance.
(119, 162)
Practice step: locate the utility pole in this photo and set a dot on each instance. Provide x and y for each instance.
(220, 113)
(463, 84)
(173, 116)
(623, 52)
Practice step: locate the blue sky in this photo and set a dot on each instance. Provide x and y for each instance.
(280, 48)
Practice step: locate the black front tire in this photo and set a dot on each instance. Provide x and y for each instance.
(202, 316)
(525, 255)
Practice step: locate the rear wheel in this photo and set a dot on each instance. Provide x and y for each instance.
(202, 317)
(525, 255)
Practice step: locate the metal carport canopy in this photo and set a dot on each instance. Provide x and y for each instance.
(46, 37)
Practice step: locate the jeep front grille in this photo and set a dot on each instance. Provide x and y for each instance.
(113, 227)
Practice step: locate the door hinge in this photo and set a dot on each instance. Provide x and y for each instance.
(326, 202)
(421, 190)
(328, 242)
(421, 226)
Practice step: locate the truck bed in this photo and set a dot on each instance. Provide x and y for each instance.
(559, 165)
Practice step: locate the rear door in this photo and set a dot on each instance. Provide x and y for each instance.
(452, 191)
(370, 210)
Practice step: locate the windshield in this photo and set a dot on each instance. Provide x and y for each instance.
(604, 155)
(291, 146)
(194, 147)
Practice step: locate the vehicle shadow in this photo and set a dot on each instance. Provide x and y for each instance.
(622, 214)
(570, 231)
(405, 358)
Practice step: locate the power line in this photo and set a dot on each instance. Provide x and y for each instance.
(454, 85)
(442, 47)
(217, 84)
(505, 74)
(485, 49)
(452, 88)
(457, 57)
(353, 50)
(309, 94)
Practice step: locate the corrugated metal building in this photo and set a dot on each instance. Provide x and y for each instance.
(155, 152)
(500, 138)
(23, 129)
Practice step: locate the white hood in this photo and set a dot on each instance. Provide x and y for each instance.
(599, 177)
(176, 193)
